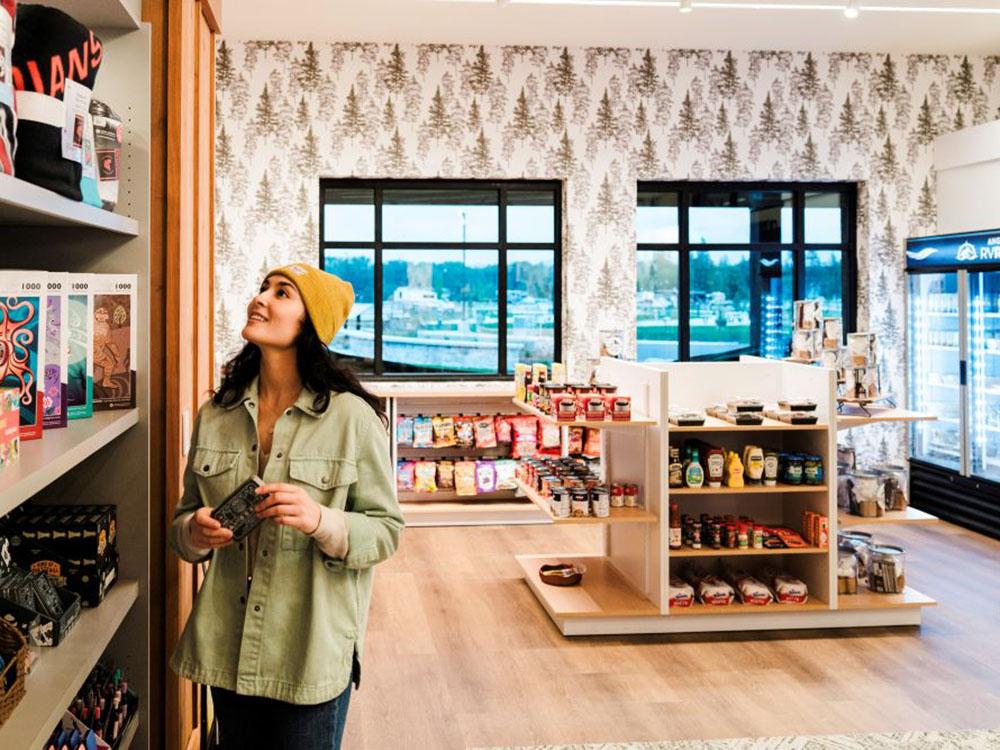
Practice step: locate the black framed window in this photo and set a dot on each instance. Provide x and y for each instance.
(451, 278)
(719, 265)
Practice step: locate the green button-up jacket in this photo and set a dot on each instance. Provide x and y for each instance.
(292, 636)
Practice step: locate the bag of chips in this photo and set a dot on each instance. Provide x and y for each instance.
(423, 432)
(444, 431)
(575, 442)
(506, 474)
(465, 432)
(486, 436)
(525, 436)
(550, 436)
(446, 475)
(592, 446)
(404, 431)
(486, 477)
(426, 476)
(405, 476)
(503, 429)
(465, 478)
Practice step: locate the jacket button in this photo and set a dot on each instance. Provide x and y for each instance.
(278, 455)
(251, 404)
(206, 467)
(288, 412)
(256, 608)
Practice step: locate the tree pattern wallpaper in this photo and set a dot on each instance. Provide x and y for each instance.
(600, 119)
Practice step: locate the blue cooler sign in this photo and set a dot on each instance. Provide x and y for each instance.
(966, 249)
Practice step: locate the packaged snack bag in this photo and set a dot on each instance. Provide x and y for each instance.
(506, 474)
(503, 430)
(465, 478)
(404, 431)
(423, 432)
(465, 432)
(446, 475)
(525, 436)
(486, 477)
(405, 476)
(426, 476)
(592, 447)
(575, 442)
(486, 436)
(444, 431)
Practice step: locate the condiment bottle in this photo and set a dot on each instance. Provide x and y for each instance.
(694, 475)
(715, 462)
(753, 464)
(743, 540)
(675, 472)
(675, 526)
(758, 537)
(734, 470)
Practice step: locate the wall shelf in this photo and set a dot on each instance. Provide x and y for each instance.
(910, 515)
(617, 515)
(714, 424)
(99, 14)
(756, 489)
(603, 425)
(752, 552)
(864, 599)
(59, 672)
(25, 204)
(59, 450)
(812, 605)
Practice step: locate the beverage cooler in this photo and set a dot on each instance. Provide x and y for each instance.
(953, 286)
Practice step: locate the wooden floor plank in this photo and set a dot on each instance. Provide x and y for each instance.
(461, 654)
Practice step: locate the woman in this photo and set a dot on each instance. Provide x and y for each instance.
(278, 626)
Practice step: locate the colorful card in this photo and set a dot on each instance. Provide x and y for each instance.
(22, 343)
(10, 426)
(56, 384)
(80, 364)
(114, 336)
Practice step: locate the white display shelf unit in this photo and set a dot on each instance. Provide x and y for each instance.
(59, 672)
(104, 459)
(625, 590)
(447, 508)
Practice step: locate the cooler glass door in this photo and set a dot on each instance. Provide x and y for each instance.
(935, 339)
(984, 374)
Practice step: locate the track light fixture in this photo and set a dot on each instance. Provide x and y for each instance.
(852, 9)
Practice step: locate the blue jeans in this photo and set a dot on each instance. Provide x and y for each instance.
(248, 722)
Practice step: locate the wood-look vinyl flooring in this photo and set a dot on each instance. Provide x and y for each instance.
(460, 654)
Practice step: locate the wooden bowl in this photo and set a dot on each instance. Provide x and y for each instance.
(562, 574)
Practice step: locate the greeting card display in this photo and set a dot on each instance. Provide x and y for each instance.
(22, 347)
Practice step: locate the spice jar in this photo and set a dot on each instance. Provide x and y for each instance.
(632, 496)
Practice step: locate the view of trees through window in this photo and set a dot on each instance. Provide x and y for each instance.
(448, 277)
(718, 266)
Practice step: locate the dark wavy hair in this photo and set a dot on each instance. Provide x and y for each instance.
(319, 370)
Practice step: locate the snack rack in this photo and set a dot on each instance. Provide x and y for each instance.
(104, 458)
(625, 589)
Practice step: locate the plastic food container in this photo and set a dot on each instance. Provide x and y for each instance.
(895, 486)
(886, 575)
(862, 543)
(867, 496)
(847, 570)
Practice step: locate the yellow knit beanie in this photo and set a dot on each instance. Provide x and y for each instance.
(328, 298)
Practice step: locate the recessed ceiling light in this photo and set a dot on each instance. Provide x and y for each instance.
(686, 6)
(852, 9)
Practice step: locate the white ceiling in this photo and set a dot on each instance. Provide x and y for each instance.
(637, 23)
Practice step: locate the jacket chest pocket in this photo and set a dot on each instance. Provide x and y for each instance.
(326, 480)
(215, 470)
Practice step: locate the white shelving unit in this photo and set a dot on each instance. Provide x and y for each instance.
(626, 589)
(104, 459)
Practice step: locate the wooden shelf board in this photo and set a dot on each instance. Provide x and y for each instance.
(43, 461)
(910, 515)
(688, 552)
(130, 732)
(446, 495)
(618, 515)
(98, 14)
(59, 672)
(866, 599)
(409, 452)
(749, 490)
(603, 592)
(441, 390)
(855, 417)
(25, 204)
(481, 513)
(605, 425)
(714, 424)
(750, 609)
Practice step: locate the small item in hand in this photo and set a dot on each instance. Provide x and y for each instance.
(561, 574)
(238, 511)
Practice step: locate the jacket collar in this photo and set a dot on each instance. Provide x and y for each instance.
(250, 397)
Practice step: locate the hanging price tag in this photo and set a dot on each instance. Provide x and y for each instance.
(76, 99)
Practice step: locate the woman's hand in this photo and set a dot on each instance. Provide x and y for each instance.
(206, 532)
(289, 505)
